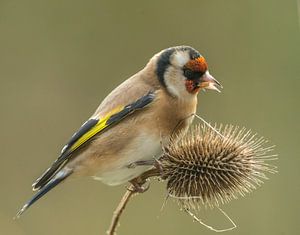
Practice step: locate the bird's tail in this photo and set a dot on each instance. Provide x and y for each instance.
(60, 176)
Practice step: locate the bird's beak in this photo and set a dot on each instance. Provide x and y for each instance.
(209, 82)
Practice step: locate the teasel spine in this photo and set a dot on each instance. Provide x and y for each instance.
(207, 169)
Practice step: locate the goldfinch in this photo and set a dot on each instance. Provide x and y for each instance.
(132, 122)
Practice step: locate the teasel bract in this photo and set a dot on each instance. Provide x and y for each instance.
(208, 167)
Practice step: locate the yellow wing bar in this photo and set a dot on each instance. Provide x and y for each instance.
(101, 125)
(87, 131)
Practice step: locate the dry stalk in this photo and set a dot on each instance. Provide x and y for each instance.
(130, 191)
(120, 208)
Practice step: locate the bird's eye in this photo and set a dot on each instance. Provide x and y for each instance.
(188, 73)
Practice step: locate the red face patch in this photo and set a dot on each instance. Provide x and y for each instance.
(198, 65)
(191, 86)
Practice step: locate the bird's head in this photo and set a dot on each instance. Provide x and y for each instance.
(183, 71)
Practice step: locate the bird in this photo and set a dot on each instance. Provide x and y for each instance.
(126, 132)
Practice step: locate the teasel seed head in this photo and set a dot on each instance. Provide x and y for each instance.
(210, 168)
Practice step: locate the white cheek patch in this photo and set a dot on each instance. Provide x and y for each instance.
(174, 78)
(181, 58)
(175, 83)
(173, 89)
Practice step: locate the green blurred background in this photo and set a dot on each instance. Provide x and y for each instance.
(59, 59)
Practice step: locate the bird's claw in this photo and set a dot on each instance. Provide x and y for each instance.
(139, 186)
(158, 166)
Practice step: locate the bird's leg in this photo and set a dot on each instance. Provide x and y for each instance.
(138, 185)
(158, 166)
(142, 163)
(139, 182)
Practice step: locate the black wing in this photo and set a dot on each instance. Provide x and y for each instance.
(88, 130)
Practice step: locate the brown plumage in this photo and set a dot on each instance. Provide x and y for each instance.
(133, 121)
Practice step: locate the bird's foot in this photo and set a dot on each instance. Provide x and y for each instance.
(139, 185)
(158, 166)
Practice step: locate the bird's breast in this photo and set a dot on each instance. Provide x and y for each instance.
(173, 116)
(144, 147)
(137, 138)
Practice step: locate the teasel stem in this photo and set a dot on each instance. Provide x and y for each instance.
(119, 210)
(130, 191)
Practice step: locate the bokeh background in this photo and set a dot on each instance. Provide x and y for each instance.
(59, 59)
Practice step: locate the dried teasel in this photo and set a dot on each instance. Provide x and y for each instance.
(209, 167)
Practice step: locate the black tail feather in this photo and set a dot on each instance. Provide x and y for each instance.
(48, 175)
(50, 185)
